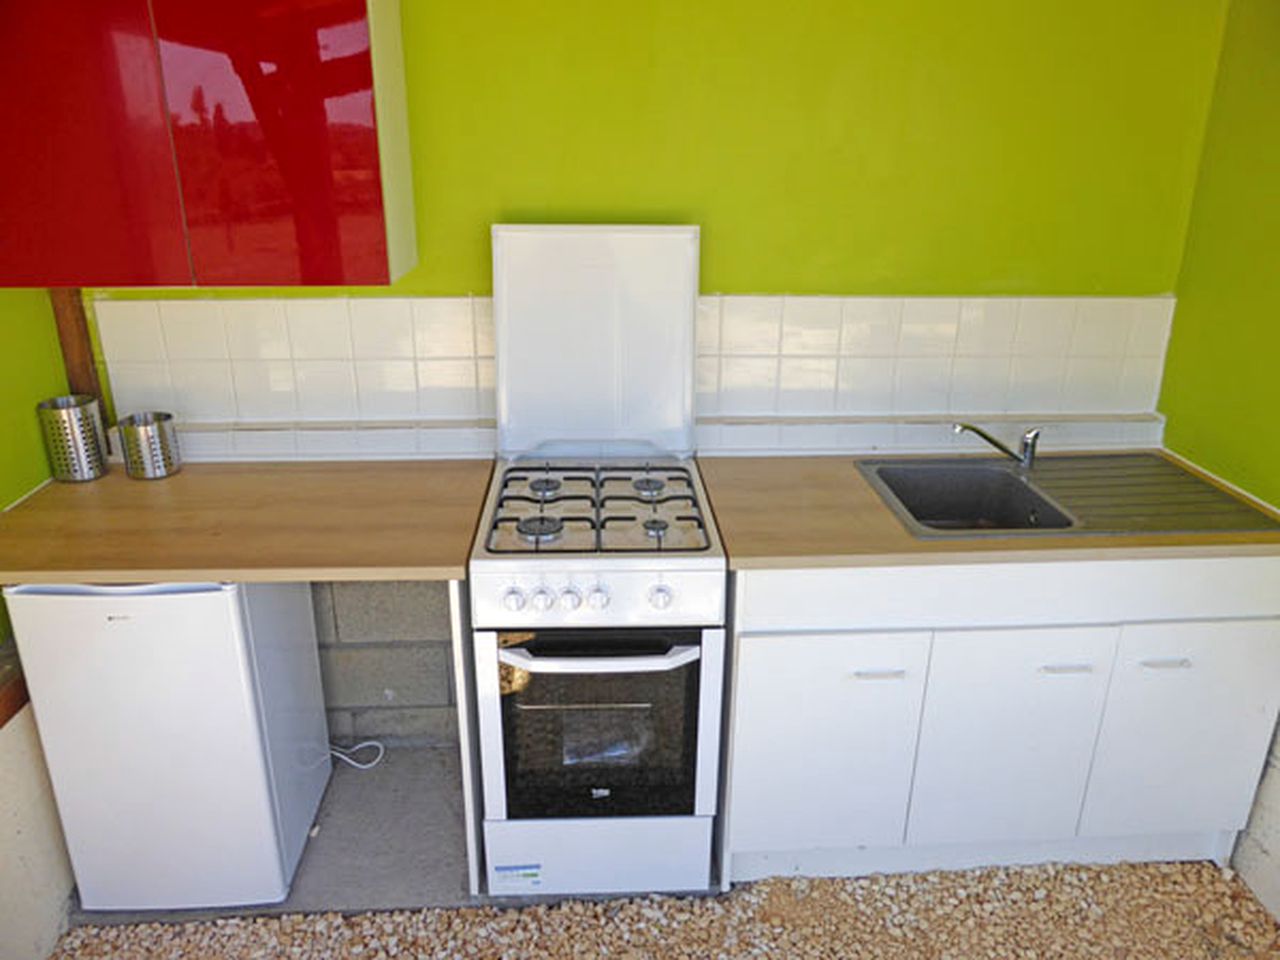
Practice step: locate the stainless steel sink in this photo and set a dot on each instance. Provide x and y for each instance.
(940, 497)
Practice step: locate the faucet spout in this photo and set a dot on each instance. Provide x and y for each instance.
(1026, 455)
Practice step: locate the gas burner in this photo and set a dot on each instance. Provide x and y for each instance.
(540, 528)
(544, 486)
(648, 486)
(655, 527)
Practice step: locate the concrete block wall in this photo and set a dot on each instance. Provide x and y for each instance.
(386, 662)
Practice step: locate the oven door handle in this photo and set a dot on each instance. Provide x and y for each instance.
(673, 658)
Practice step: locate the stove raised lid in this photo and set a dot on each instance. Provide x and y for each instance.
(595, 335)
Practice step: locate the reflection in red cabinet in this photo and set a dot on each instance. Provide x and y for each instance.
(271, 107)
(88, 190)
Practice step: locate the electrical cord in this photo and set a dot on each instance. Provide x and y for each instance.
(346, 754)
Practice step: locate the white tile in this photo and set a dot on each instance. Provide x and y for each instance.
(442, 327)
(326, 389)
(486, 388)
(204, 445)
(319, 329)
(987, 327)
(1045, 325)
(193, 330)
(1151, 324)
(706, 397)
(979, 384)
(1145, 433)
(929, 326)
(1102, 327)
(707, 326)
(447, 388)
(1035, 384)
(202, 390)
(457, 442)
(1140, 383)
(871, 326)
(748, 385)
(382, 329)
(1092, 385)
(814, 437)
(923, 437)
(867, 437)
(482, 316)
(317, 444)
(256, 329)
(751, 326)
(865, 385)
(706, 436)
(265, 389)
(265, 444)
(811, 326)
(749, 437)
(806, 385)
(921, 385)
(395, 442)
(387, 389)
(130, 331)
(1082, 435)
(140, 387)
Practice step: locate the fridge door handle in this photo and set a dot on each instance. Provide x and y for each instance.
(114, 589)
(677, 656)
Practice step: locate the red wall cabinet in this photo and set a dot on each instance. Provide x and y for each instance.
(170, 142)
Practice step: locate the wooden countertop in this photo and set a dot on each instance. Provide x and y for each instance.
(372, 520)
(779, 512)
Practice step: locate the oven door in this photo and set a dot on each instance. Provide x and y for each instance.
(598, 723)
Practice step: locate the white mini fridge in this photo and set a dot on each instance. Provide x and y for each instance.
(185, 733)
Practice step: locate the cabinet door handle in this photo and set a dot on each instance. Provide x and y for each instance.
(878, 674)
(1166, 663)
(1059, 669)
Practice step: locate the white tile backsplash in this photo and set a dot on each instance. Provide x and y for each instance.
(370, 364)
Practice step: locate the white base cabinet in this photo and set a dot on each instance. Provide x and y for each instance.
(1008, 732)
(1187, 727)
(826, 739)
(1104, 722)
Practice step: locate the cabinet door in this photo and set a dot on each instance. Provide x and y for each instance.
(273, 126)
(1010, 720)
(823, 740)
(1188, 721)
(90, 189)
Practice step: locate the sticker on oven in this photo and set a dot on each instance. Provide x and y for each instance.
(516, 876)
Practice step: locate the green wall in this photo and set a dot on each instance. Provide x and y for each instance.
(831, 146)
(1222, 382)
(30, 370)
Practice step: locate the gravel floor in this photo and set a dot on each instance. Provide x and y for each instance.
(1185, 911)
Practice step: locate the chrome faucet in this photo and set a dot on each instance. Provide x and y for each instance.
(1026, 455)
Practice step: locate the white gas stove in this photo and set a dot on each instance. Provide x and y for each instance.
(597, 577)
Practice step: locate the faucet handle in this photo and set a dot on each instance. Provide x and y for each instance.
(1030, 439)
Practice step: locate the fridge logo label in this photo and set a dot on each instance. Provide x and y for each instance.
(600, 793)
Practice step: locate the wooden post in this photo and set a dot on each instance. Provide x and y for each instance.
(73, 334)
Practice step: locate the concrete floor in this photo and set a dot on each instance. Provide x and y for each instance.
(389, 838)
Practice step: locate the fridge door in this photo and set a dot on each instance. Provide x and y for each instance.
(147, 711)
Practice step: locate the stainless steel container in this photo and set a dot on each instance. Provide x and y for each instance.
(150, 442)
(73, 437)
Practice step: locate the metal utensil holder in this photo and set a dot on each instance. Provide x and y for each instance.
(73, 437)
(150, 443)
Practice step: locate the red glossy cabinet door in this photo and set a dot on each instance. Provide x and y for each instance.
(88, 189)
(271, 109)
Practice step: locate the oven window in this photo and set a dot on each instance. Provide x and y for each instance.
(613, 741)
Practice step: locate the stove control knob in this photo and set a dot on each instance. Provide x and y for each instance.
(542, 599)
(513, 599)
(570, 598)
(660, 597)
(598, 598)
